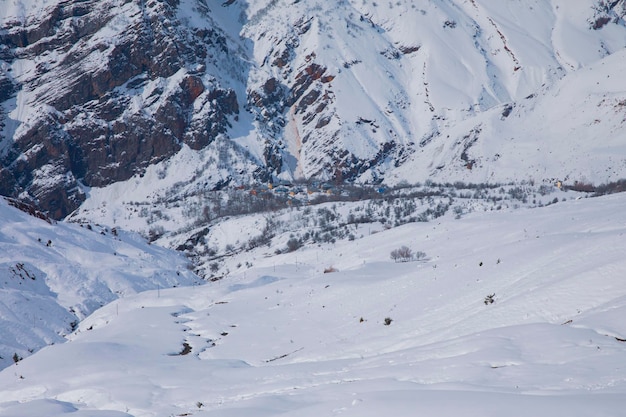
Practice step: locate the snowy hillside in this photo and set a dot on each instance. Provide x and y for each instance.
(52, 275)
(419, 84)
(509, 313)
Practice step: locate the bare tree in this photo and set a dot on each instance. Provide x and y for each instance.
(402, 254)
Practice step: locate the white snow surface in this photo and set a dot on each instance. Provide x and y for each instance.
(428, 73)
(284, 337)
(52, 275)
(17, 11)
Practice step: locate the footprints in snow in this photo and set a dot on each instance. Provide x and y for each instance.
(197, 341)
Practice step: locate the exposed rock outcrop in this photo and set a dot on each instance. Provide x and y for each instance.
(108, 107)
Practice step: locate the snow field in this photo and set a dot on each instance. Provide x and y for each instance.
(52, 275)
(285, 338)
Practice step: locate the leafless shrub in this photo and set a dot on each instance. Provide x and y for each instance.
(406, 254)
(294, 244)
(402, 254)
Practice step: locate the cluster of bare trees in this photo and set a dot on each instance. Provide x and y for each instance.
(406, 254)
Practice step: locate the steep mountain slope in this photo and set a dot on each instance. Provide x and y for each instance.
(342, 330)
(380, 82)
(419, 85)
(571, 131)
(94, 92)
(52, 275)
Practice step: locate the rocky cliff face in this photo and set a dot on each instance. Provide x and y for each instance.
(112, 87)
(93, 92)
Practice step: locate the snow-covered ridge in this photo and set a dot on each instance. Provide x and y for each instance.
(53, 274)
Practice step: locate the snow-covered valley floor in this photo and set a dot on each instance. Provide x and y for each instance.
(341, 329)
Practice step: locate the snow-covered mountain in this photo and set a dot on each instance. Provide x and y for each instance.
(52, 275)
(94, 92)
(516, 312)
(295, 154)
